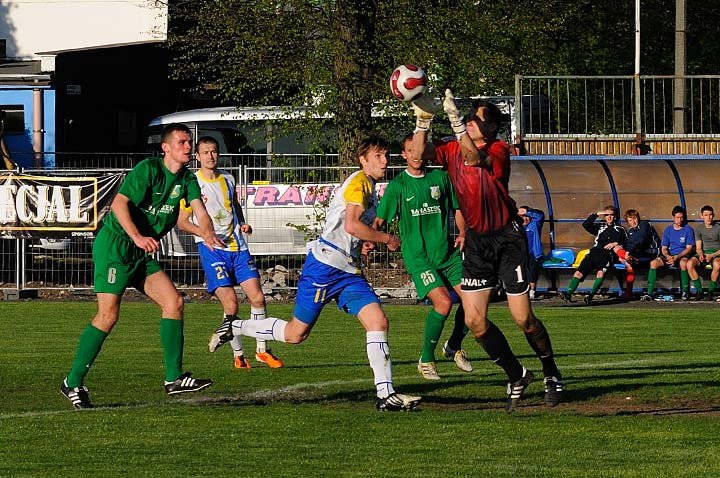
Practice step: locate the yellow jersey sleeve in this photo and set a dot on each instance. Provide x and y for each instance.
(185, 206)
(358, 191)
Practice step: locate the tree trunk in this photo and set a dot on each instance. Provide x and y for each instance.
(355, 30)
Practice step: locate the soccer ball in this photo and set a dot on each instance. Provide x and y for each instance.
(408, 82)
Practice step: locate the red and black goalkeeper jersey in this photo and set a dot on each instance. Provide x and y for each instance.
(482, 193)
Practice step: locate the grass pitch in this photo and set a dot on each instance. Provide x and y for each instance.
(643, 400)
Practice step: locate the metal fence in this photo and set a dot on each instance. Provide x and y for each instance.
(285, 214)
(281, 228)
(610, 105)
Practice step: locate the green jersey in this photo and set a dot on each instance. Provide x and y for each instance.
(422, 205)
(155, 195)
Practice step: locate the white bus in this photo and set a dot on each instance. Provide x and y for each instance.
(282, 166)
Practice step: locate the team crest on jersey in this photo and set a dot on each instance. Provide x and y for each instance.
(176, 191)
(435, 192)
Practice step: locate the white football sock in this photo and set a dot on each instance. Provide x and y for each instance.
(378, 352)
(236, 343)
(267, 329)
(258, 313)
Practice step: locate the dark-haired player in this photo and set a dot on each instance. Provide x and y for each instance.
(422, 200)
(609, 236)
(144, 210)
(676, 247)
(707, 251)
(495, 247)
(233, 264)
(332, 272)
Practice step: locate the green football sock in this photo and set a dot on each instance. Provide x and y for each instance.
(574, 282)
(596, 285)
(460, 330)
(697, 283)
(652, 277)
(712, 286)
(433, 328)
(684, 281)
(171, 337)
(89, 345)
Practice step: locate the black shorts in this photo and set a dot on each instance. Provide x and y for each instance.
(533, 268)
(595, 261)
(501, 255)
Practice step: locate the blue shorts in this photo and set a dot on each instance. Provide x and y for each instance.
(226, 268)
(319, 283)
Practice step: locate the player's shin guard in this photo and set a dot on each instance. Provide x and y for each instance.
(496, 346)
(258, 313)
(89, 345)
(378, 352)
(573, 285)
(267, 329)
(460, 330)
(172, 339)
(236, 342)
(596, 286)
(539, 341)
(652, 277)
(684, 281)
(433, 329)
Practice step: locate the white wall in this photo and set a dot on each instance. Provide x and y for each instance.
(32, 26)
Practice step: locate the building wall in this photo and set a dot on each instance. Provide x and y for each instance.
(106, 96)
(30, 27)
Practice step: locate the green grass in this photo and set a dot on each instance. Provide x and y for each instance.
(643, 400)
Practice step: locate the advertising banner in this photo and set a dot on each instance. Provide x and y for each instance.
(54, 206)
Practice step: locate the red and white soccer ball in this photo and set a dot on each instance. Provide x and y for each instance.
(408, 82)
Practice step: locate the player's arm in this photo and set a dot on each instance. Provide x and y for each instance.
(425, 108)
(666, 254)
(244, 227)
(699, 249)
(470, 153)
(207, 230)
(589, 224)
(535, 215)
(685, 252)
(462, 227)
(369, 246)
(356, 228)
(121, 208)
(184, 223)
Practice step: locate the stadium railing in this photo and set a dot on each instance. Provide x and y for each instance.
(285, 218)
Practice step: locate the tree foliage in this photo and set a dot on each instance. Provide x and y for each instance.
(336, 55)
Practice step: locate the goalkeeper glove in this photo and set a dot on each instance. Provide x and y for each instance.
(425, 108)
(453, 113)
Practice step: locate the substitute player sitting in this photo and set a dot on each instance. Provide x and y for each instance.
(332, 272)
(707, 248)
(610, 238)
(422, 201)
(233, 264)
(676, 247)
